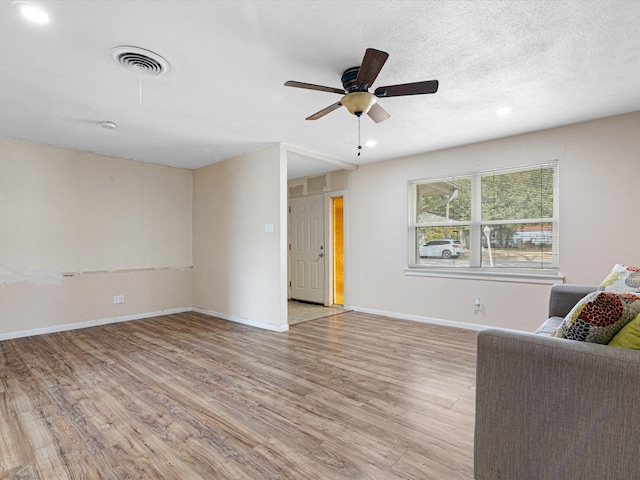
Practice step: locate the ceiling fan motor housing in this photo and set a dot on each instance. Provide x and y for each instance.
(358, 100)
(349, 79)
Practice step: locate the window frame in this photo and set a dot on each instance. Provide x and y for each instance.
(476, 224)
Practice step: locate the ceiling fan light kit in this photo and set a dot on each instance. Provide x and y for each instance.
(358, 102)
(356, 96)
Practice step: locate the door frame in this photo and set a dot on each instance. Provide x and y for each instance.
(328, 244)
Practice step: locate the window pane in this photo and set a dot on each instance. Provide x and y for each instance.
(443, 246)
(516, 208)
(524, 245)
(518, 195)
(442, 201)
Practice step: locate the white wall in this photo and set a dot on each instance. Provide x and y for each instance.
(123, 227)
(239, 269)
(85, 300)
(78, 228)
(69, 211)
(598, 164)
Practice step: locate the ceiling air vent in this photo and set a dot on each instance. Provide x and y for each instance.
(139, 60)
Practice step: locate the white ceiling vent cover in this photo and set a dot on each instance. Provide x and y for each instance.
(139, 60)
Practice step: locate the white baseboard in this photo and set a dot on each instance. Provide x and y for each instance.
(139, 316)
(231, 318)
(418, 318)
(90, 323)
(244, 321)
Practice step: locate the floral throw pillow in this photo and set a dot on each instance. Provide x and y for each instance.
(622, 278)
(599, 316)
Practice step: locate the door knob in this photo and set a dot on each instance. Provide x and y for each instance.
(321, 254)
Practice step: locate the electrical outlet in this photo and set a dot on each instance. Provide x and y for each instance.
(118, 299)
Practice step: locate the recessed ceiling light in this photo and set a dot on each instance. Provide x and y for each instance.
(31, 12)
(371, 143)
(504, 111)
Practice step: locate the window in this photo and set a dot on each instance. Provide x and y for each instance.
(499, 219)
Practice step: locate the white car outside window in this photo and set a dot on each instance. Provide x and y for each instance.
(441, 248)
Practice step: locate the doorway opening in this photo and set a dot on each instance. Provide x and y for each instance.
(337, 232)
(306, 254)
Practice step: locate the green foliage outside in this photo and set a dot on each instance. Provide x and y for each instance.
(505, 196)
(512, 196)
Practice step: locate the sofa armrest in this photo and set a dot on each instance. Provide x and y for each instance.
(563, 298)
(555, 409)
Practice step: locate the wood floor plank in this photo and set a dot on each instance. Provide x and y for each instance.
(191, 396)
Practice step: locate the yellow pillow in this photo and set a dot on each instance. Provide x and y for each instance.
(628, 336)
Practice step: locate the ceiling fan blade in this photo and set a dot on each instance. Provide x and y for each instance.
(416, 88)
(324, 111)
(377, 113)
(311, 86)
(372, 63)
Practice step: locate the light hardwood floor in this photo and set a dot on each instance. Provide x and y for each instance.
(187, 396)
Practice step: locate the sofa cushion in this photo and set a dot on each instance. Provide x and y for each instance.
(599, 316)
(622, 278)
(628, 336)
(549, 326)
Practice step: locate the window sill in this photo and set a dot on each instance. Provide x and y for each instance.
(488, 275)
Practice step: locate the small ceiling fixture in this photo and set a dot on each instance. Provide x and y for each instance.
(108, 124)
(30, 12)
(504, 111)
(140, 60)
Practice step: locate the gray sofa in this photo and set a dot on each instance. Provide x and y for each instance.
(549, 408)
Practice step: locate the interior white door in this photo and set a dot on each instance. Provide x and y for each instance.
(307, 248)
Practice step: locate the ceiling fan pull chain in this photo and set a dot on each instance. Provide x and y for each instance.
(359, 143)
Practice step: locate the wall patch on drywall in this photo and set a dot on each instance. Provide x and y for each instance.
(9, 276)
(296, 191)
(316, 184)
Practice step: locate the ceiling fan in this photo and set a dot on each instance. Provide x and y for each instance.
(356, 82)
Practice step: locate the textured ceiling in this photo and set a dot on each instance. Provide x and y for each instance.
(555, 62)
